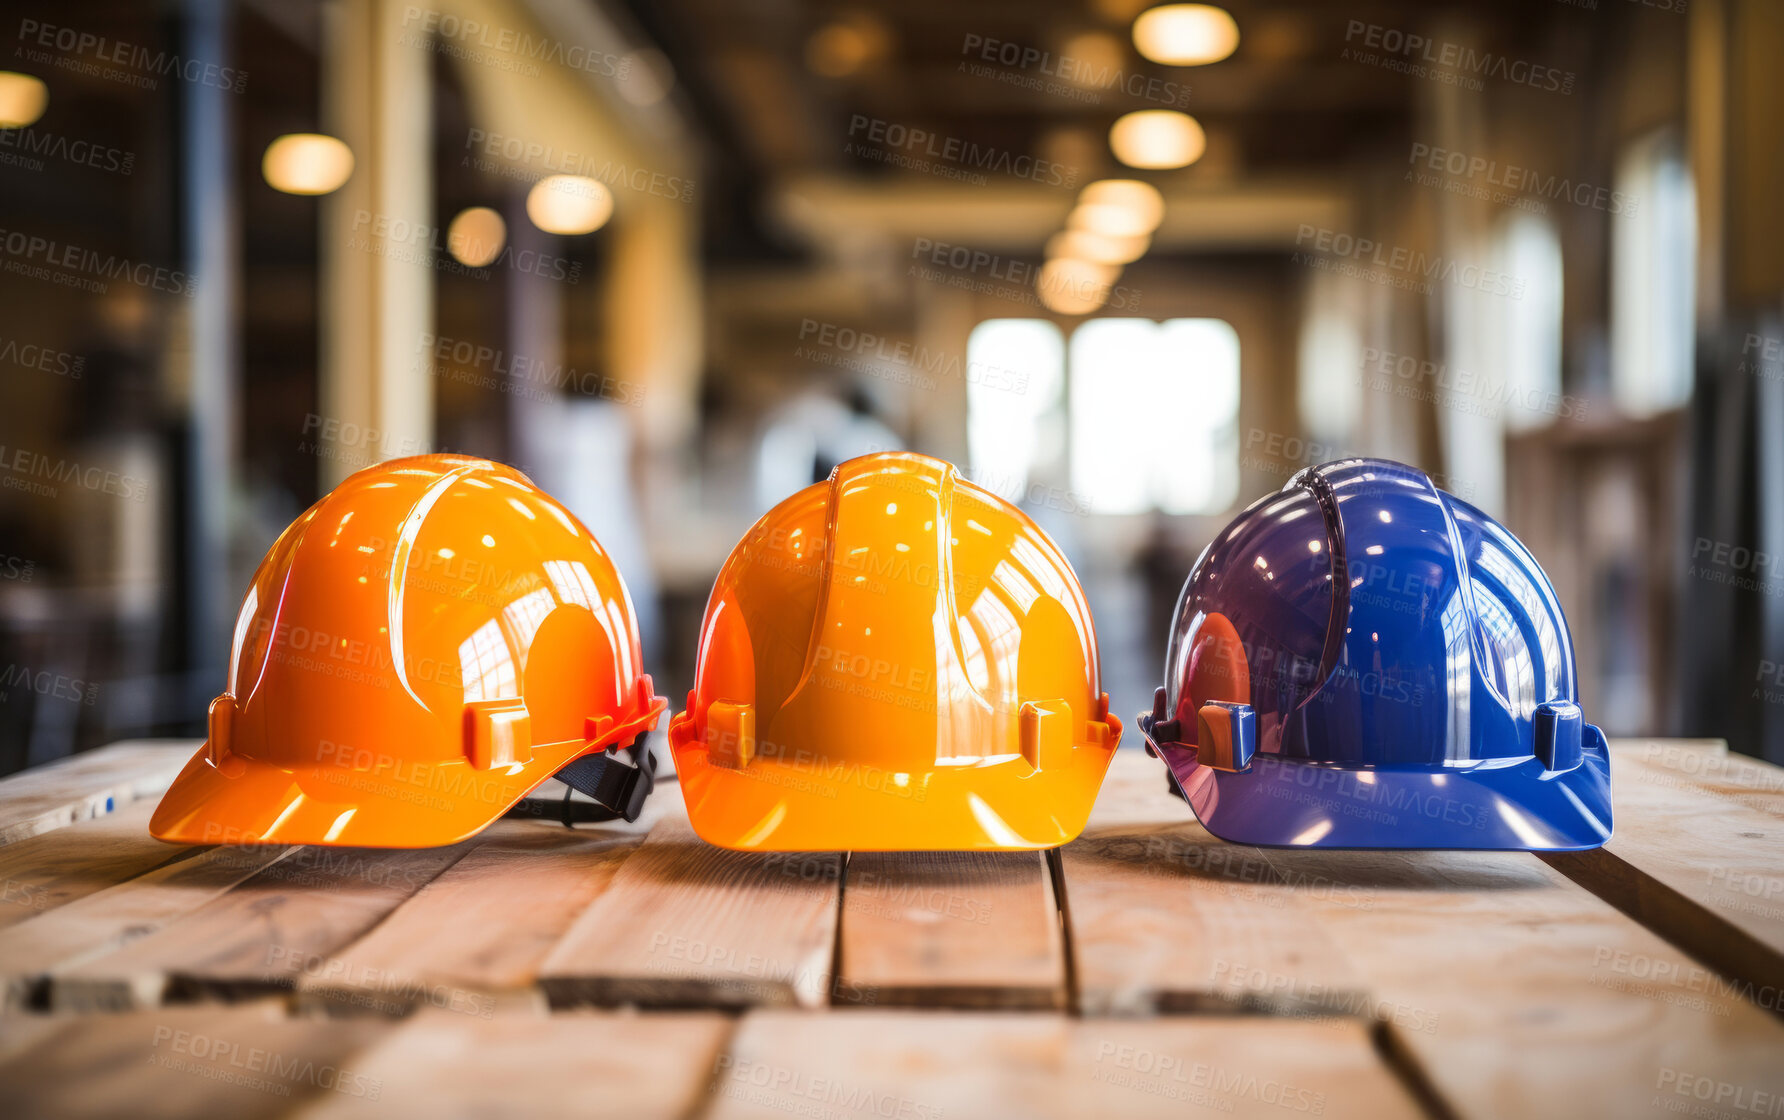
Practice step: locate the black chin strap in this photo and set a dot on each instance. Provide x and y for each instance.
(618, 787)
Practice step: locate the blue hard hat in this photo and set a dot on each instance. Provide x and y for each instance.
(1361, 660)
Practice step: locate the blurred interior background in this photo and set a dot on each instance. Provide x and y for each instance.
(675, 259)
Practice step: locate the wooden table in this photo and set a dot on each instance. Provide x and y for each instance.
(1146, 969)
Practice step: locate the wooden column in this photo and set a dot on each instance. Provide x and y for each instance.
(377, 301)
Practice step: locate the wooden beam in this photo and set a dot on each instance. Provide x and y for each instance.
(917, 215)
(378, 239)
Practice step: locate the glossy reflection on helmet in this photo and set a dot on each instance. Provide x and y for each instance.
(422, 647)
(894, 659)
(1363, 660)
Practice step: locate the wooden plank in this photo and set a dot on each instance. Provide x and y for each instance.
(1705, 872)
(1167, 919)
(685, 924)
(577, 1064)
(19, 1031)
(1752, 782)
(253, 1061)
(927, 1066)
(109, 919)
(54, 868)
(284, 921)
(1227, 1066)
(950, 929)
(243, 1062)
(879, 1063)
(1702, 748)
(87, 785)
(1524, 995)
(478, 933)
(1490, 977)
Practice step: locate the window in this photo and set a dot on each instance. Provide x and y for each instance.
(1329, 389)
(1015, 369)
(1155, 415)
(1525, 345)
(1502, 355)
(1653, 269)
(1125, 375)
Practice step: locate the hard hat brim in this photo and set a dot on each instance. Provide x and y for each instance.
(819, 805)
(415, 805)
(1494, 805)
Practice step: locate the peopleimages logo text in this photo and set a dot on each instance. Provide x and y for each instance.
(30, 249)
(1455, 56)
(131, 56)
(1511, 177)
(25, 466)
(1411, 263)
(907, 140)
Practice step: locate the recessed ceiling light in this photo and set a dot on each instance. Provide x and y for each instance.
(1157, 139)
(1186, 34)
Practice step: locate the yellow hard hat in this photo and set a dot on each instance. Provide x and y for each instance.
(894, 659)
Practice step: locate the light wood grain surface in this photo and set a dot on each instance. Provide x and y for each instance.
(952, 929)
(1146, 969)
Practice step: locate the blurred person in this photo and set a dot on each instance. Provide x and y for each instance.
(808, 436)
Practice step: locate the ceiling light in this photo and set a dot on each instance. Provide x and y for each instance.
(307, 163)
(1131, 194)
(1157, 139)
(22, 99)
(1186, 34)
(476, 236)
(1069, 286)
(1109, 220)
(1099, 248)
(569, 204)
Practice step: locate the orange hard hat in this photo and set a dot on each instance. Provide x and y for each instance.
(417, 652)
(894, 659)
